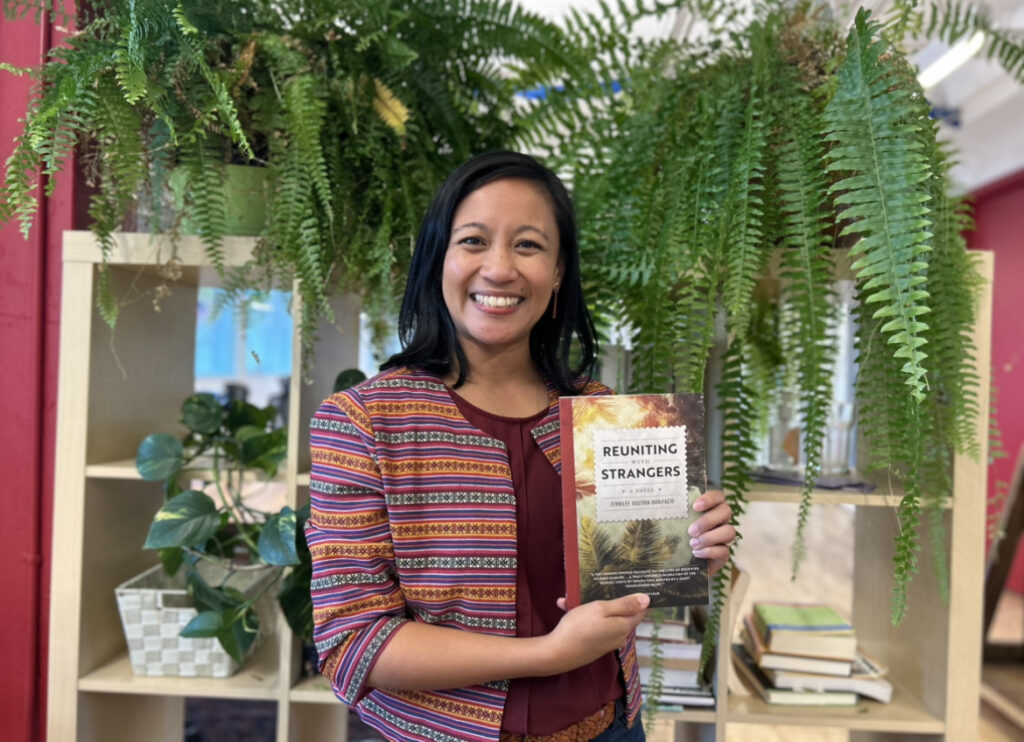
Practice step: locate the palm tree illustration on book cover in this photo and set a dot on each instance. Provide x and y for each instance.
(632, 466)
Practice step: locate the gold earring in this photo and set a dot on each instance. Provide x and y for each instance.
(554, 303)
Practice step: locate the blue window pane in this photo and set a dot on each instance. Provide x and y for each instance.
(215, 337)
(268, 348)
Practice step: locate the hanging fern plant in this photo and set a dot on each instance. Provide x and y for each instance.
(787, 132)
(357, 109)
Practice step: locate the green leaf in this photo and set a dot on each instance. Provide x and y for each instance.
(263, 450)
(208, 598)
(206, 624)
(244, 414)
(188, 519)
(239, 633)
(202, 413)
(172, 559)
(160, 457)
(277, 539)
(296, 601)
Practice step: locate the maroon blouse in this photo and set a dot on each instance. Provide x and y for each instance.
(542, 705)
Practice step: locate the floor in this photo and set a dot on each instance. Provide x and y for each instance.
(765, 554)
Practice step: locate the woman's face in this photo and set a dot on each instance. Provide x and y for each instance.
(501, 265)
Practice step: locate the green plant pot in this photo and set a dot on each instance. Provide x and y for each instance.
(245, 190)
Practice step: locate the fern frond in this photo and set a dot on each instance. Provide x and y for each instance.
(872, 126)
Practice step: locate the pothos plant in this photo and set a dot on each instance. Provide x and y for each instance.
(227, 446)
(793, 130)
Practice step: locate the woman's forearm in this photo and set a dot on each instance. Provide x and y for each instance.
(426, 657)
(422, 656)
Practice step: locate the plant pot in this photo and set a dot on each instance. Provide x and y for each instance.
(155, 608)
(245, 195)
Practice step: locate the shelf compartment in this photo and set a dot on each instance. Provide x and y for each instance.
(257, 680)
(905, 714)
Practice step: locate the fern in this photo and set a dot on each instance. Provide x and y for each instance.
(874, 143)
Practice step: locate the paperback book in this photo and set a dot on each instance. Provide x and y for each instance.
(780, 661)
(813, 629)
(632, 466)
(756, 679)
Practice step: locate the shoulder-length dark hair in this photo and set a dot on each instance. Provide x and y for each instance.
(425, 327)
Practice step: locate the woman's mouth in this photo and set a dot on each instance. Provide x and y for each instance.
(496, 302)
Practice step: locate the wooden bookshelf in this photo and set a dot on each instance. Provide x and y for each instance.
(114, 389)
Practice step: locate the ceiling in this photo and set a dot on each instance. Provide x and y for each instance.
(983, 107)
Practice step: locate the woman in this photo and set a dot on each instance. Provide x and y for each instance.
(435, 524)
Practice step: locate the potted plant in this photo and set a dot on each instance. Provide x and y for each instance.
(227, 552)
(354, 112)
(799, 129)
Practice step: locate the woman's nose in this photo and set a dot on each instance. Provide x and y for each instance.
(499, 264)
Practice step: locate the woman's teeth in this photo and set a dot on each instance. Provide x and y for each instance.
(496, 301)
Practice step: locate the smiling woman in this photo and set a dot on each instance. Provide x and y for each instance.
(435, 525)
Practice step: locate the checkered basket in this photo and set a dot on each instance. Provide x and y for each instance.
(155, 608)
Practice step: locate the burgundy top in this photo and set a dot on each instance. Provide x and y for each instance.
(542, 705)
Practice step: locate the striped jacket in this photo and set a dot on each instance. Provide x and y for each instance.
(413, 518)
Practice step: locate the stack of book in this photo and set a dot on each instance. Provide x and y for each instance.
(805, 654)
(679, 656)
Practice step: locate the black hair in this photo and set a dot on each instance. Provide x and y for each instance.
(425, 327)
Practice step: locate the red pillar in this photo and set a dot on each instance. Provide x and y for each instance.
(29, 314)
(999, 220)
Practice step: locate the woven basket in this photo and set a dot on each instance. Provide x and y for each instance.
(155, 608)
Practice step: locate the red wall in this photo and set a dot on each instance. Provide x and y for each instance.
(999, 218)
(29, 314)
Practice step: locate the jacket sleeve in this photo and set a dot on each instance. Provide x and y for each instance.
(357, 601)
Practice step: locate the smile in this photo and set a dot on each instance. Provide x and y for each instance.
(496, 301)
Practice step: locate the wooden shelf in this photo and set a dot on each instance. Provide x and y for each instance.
(313, 690)
(200, 469)
(905, 714)
(257, 680)
(760, 492)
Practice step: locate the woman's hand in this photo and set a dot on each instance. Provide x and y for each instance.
(591, 630)
(711, 534)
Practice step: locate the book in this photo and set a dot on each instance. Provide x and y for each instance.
(669, 677)
(701, 695)
(669, 650)
(632, 465)
(877, 688)
(777, 661)
(670, 630)
(755, 678)
(811, 629)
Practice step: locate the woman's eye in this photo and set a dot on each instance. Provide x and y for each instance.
(471, 241)
(529, 245)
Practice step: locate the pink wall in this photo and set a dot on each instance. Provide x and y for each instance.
(999, 218)
(29, 315)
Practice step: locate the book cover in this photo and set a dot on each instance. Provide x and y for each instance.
(632, 465)
(797, 663)
(754, 677)
(812, 629)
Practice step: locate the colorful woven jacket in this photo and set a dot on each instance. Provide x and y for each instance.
(413, 518)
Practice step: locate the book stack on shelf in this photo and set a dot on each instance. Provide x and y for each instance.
(805, 654)
(678, 646)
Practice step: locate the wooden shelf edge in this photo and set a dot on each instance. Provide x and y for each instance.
(760, 492)
(313, 690)
(695, 715)
(256, 680)
(144, 248)
(125, 469)
(905, 714)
